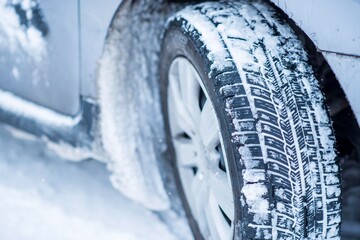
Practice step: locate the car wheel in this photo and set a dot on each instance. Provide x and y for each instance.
(247, 131)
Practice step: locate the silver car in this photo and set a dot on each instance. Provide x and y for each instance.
(224, 112)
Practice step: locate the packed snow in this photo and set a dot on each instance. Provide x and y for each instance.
(13, 103)
(46, 197)
(131, 118)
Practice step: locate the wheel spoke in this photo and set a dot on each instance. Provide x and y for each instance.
(196, 139)
(197, 185)
(200, 193)
(187, 178)
(222, 192)
(209, 127)
(185, 152)
(190, 88)
(177, 109)
(218, 226)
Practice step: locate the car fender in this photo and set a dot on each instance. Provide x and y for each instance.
(333, 28)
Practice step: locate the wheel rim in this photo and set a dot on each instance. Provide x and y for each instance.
(197, 142)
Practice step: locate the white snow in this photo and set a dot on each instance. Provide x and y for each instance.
(19, 134)
(71, 153)
(255, 197)
(26, 4)
(120, 135)
(333, 191)
(331, 179)
(10, 102)
(253, 175)
(208, 35)
(45, 197)
(280, 192)
(131, 118)
(281, 207)
(15, 37)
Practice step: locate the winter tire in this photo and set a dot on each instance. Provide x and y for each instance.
(247, 131)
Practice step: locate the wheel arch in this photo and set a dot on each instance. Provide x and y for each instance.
(337, 73)
(331, 58)
(127, 82)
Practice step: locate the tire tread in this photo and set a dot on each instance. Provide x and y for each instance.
(280, 105)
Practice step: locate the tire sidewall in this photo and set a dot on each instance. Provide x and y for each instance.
(178, 43)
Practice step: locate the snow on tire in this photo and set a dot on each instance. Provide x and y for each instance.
(277, 135)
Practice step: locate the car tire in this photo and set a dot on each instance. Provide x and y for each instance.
(275, 145)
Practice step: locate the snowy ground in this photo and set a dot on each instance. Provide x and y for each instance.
(45, 197)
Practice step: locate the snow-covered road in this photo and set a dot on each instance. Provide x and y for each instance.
(45, 197)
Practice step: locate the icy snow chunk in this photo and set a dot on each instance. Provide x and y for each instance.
(280, 192)
(242, 139)
(26, 4)
(253, 175)
(313, 167)
(245, 152)
(255, 198)
(333, 191)
(334, 219)
(281, 207)
(243, 125)
(333, 233)
(331, 179)
(331, 168)
(208, 35)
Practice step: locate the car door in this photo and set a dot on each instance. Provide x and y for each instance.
(39, 52)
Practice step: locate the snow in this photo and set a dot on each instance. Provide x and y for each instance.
(208, 35)
(333, 191)
(280, 192)
(131, 118)
(255, 197)
(253, 175)
(10, 102)
(15, 37)
(71, 153)
(45, 197)
(120, 136)
(26, 4)
(19, 134)
(331, 179)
